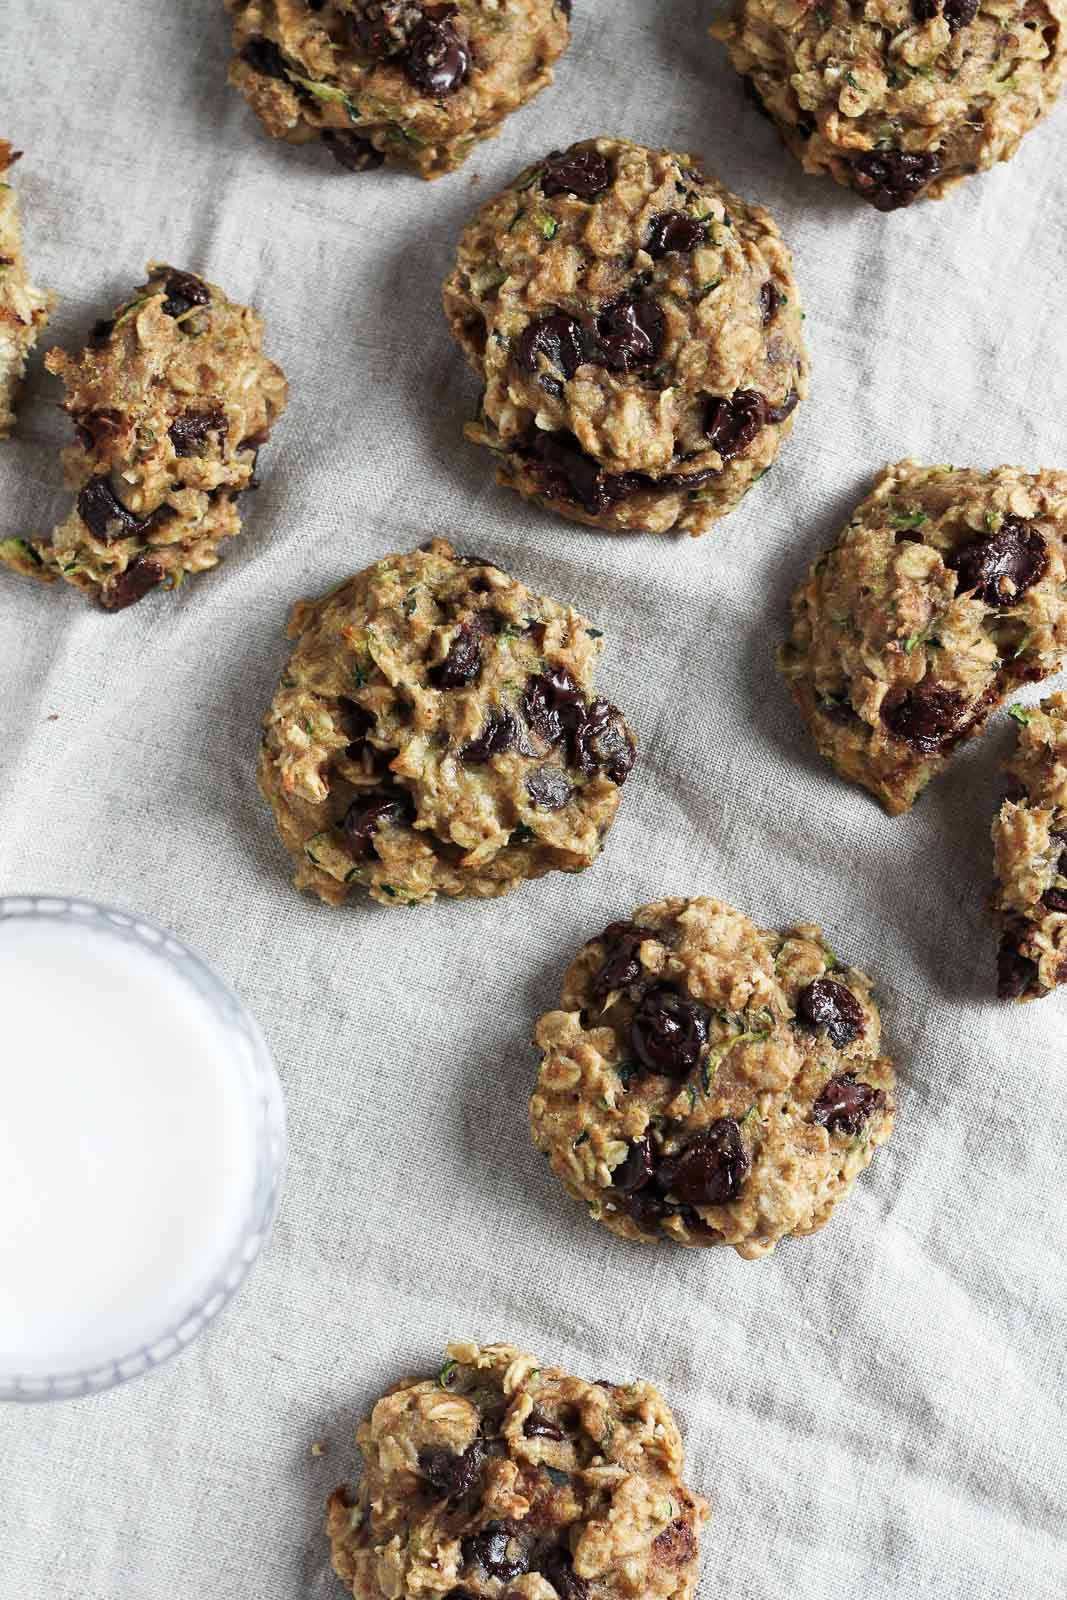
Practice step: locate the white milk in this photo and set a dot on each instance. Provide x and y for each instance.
(127, 1147)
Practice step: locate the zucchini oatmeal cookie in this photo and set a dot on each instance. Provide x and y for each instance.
(899, 98)
(638, 331)
(1029, 902)
(170, 400)
(946, 591)
(709, 1081)
(435, 732)
(394, 80)
(501, 1477)
(24, 309)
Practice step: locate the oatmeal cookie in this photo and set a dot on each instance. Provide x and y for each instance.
(708, 1081)
(435, 732)
(500, 1476)
(24, 309)
(394, 80)
(899, 98)
(638, 331)
(1029, 902)
(170, 400)
(945, 591)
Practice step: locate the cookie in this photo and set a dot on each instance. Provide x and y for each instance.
(1029, 901)
(501, 1476)
(24, 309)
(944, 592)
(393, 80)
(709, 1081)
(899, 98)
(435, 732)
(171, 400)
(637, 328)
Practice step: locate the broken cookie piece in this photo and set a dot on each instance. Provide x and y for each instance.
(944, 592)
(1029, 901)
(24, 309)
(171, 400)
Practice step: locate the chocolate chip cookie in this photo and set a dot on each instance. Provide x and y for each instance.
(393, 80)
(503, 1477)
(1029, 902)
(637, 328)
(435, 732)
(945, 591)
(171, 400)
(899, 98)
(24, 309)
(709, 1081)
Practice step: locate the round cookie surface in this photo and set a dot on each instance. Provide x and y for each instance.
(899, 98)
(638, 331)
(708, 1081)
(435, 732)
(171, 400)
(945, 591)
(393, 80)
(504, 1477)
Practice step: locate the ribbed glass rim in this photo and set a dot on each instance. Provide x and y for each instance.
(270, 1135)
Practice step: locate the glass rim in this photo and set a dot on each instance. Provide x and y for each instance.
(226, 1277)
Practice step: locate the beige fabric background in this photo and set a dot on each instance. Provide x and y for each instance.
(874, 1412)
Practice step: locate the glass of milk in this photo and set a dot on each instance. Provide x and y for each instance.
(142, 1146)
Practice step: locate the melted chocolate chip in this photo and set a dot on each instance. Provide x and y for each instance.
(711, 1169)
(547, 696)
(132, 585)
(830, 1005)
(463, 663)
(599, 740)
(582, 173)
(636, 1169)
(845, 1104)
(1002, 566)
(621, 964)
(437, 60)
(538, 1426)
(770, 298)
(1016, 973)
(568, 473)
(779, 413)
(648, 1208)
(500, 733)
(1055, 900)
(548, 787)
(558, 1568)
(352, 152)
(890, 179)
(184, 290)
(263, 56)
(104, 514)
(957, 13)
(381, 27)
(367, 813)
(925, 717)
(450, 1475)
(629, 333)
(497, 1551)
(732, 423)
(189, 431)
(669, 1032)
(674, 230)
(558, 338)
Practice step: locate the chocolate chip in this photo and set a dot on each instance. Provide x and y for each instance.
(546, 698)
(189, 431)
(732, 423)
(352, 152)
(104, 514)
(381, 27)
(497, 1551)
(558, 338)
(845, 1104)
(636, 1169)
(779, 413)
(450, 1475)
(500, 733)
(957, 13)
(582, 173)
(599, 740)
(367, 813)
(1016, 973)
(711, 1169)
(132, 585)
(770, 298)
(890, 179)
(264, 56)
(675, 1546)
(648, 1208)
(184, 290)
(1001, 566)
(568, 473)
(538, 1426)
(830, 1005)
(548, 787)
(925, 717)
(437, 60)
(463, 663)
(558, 1568)
(669, 1032)
(629, 333)
(621, 964)
(674, 230)
(1055, 900)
